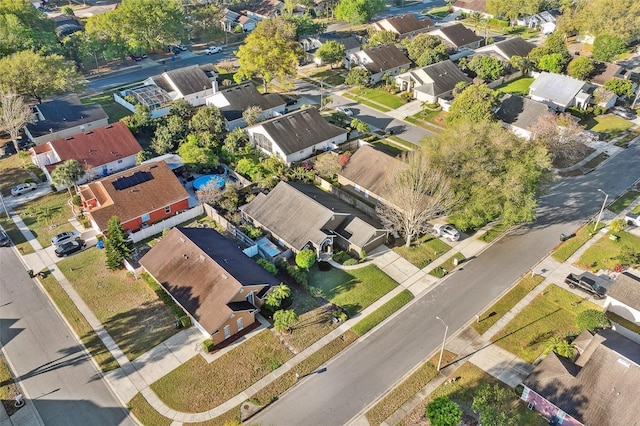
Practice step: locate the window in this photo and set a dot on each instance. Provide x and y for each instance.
(146, 217)
(261, 141)
(240, 325)
(227, 332)
(167, 209)
(357, 188)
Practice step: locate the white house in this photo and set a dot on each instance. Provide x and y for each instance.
(433, 82)
(296, 136)
(558, 91)
(623, 299)
(404, 26)
(234, 101)
(381, 60)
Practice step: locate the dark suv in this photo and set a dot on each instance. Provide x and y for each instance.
(586, 282)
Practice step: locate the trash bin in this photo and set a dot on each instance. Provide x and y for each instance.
(177, 324)
(564, 237)
(30, 272)
(100, 244)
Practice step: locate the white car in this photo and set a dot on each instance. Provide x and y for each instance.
(22, 188)
(447, 231)
(65, 237)
(213, 50)
(346, 111)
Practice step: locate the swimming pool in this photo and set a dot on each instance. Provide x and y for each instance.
(218, 181)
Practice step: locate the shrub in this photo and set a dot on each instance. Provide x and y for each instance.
(53, 188)
(443, 412)
(340, 257)
(316, 292)
(185, 320)
(208, 345)
(306, 258)
(76, 200)
(592, 320)
(268, 266)
(350, 262)
(598, 110)
(617, 225)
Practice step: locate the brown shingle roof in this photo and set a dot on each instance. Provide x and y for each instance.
(162, 189)
(97, 147)
(459, 35)
(626, 289)
(368, 167)
(403, 24)
(203, 271)
(385, 57)
(604, 72)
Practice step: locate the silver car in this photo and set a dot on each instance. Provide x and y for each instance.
(448, 231)
(22, 188)
(65, 237)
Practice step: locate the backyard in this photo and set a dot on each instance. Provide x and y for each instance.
(424, 251)
(605, 253)
(114, 110)
(129, 310)
(353, 289)
(517, 87)
(551, 314)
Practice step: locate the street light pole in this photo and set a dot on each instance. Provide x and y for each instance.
(446, 329)
(604, 203)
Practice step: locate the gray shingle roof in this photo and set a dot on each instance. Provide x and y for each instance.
(560, 89)
(385, 57)
(516, 46)
(367, 168)
(244, 96)
(300, 130)
(459, 35)
(521, 112)
(444, 76)
(65, 112)
(626, 289)
(404, 24)
(189, 80)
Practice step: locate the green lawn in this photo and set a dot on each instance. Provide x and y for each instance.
(236, 370)
(447, 266)
(382, 313)
(506, 303)
(13, 172)
(366, 102)
(494, 232)
(603, 254)
(391, 149)
(145, 413)
(610, 124)
(517, 87)
(623, 201)
(114, 110)
(47, 216)
(8, 389)
(433, 120)
(329, 76)
(16, 236)
(425, 251)
(129, 310)
(353, 289)
(564, 251)
(379, 96)
(550, 314)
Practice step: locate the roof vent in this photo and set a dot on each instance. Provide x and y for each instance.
(69, 138)
(89, 133)
(109, 127)
(185, 257)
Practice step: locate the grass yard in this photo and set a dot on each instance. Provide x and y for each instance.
(507, 302)
(129, 310)
(353, 289)
(550, 314)
(366, 102)
(145, 413)
(517, 87)
(16, 236)
(442, 11)
(469, 379)
(13, 172)
(425, 251)
(564, 251)
(382, 97)
(8, 389)
(623, 201)
(198, 386)
(405, 390)
(114, 110)
(47, 216)
(433, 120)
(603, 254)
(382, 313)
(610, 124)
(78, 322)
(494, 232)
(447, 266)
(309, 328)
(329, 76)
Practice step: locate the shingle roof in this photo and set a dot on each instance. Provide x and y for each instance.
(516, 46)
(459, 35)
(266, 7)
(368, 167)
(521, 112)
(403, 24)
(604, 72)
(63, 113)
(241, 97)
(626, 289)
(477, 5)
(161, 190)
(603, 391)
(385, 57)
(300, 130)
(203, 271)
(100, 146)
(437, 79)
(188, 80)
(349, 42)
(558, 88)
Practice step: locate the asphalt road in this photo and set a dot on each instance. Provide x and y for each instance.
(50, 366)
(365, 370)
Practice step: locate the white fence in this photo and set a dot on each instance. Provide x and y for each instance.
(155, 113)
(176, 220)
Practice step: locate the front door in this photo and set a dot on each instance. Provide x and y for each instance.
(105, 170)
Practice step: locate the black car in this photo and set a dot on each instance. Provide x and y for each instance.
(4, 239)
(586, 282)
(69, 248)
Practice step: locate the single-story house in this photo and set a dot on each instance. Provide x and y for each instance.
(140, 196)
(457, 37)
(507, 48)
(311, 44)
(600, 388)
(101, 151)
(520, 114)
(234, 101)
(433, 82)
(470, 6)
(264, 9)
(366, 171)
(605, 71)
(558, 91)
(62, 117)
(67, 25)
(404, 26)
(231, 20)
(381, 60)
(545, 20)
(298, 216)
(219, 287)
(623, 297)
(296, 136)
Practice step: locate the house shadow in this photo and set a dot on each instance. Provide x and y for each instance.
(80, 412)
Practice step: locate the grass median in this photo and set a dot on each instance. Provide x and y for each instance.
(564, 251)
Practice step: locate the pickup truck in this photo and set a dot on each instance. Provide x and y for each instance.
(586, 282)
(632, 219)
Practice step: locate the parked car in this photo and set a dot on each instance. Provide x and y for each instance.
(448, 231)
(346, 111)
(138, 58)
(174, 49)
(8, 149)
(623, 112)
(291, 101)
(70, 247)
(212, 50)
(65, 237)
(22, 188)
(587, 282)
(632, 219)
(4, 239)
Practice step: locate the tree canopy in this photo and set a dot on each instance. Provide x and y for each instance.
(513, 9)
(620, 87)
(443, 412)
(270, 51)
(580, 68)
(331, 52)
(23, 27)
(305, 258)
(358, 76)
(553, 44)
(477, 102)
(595, 17)
(426, 49)
(607, 47)
(356, 12)
(117, 245)
(67, 174)
(486, 67)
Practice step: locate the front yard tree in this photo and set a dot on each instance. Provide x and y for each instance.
(14, 114)
(620, 87)
(359, 126)
(426, 49)
(251, 115)
(476, 103)
(443, 412)
(37, 76)
(281, 291)
(306, 258)
(592, 320)
(331, 52)
(416, 192)
(23, 27)
(494, 404)
(270, 51)
(284, 319)
(606, 47)
(358, 76)
(67, 174)
(117, 245)
(562, 137)
(486, 67)
(512, 9)
(580, 68)
(357, 12)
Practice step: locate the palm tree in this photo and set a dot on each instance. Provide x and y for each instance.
(284, 319)
(476, 19)
(67, 174)
(281, 291)
(272, 300)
